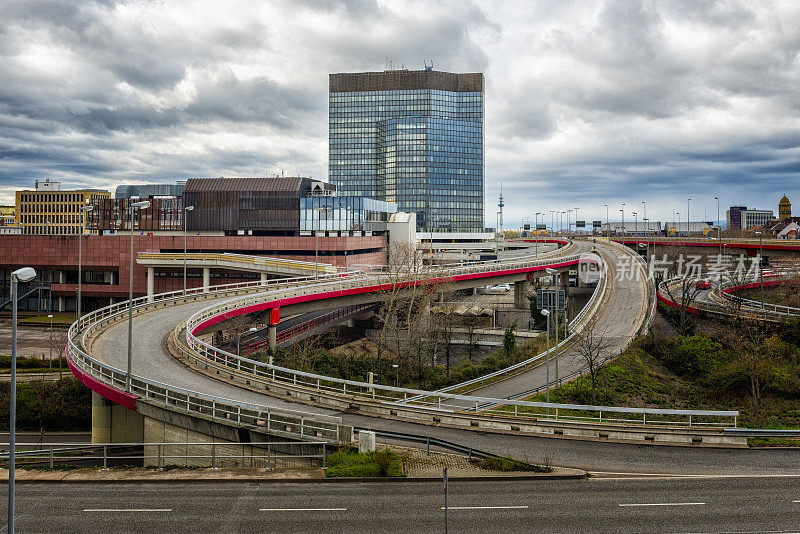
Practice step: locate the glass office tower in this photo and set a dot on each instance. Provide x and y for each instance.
(414, 138)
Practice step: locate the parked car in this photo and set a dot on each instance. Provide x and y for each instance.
(702, 284)
(498, 289)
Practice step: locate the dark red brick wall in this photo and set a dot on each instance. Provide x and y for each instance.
(112, 253)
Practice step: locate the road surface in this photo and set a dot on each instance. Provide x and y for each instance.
(708, 505)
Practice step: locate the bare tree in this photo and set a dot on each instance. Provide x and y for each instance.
(593, 345)
(678, 275)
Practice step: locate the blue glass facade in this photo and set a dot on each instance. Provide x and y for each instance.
(420, 147)
(341, 214)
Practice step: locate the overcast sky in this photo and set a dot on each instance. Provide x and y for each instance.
(587, 102)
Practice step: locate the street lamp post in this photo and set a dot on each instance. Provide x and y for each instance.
(635, 223)
(717, 199)
(239, 337)
(50, 316)
(557, 279)
(396, 374)
(576, 220)
(646, 237)
(546, 313)
(84, 210)
(761, 265)
(687, 216)
(138, 205)
(25, 274)
(608, 222)
(536, 233)
(186, 211)
(622, 211)
(569, 225)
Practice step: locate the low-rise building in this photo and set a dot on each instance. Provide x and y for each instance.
(49, 210)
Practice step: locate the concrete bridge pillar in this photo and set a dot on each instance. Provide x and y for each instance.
(272, 332)
(206, 279)
(101, 419)
(112, 423)
(151, 283)
(263, 277)
(521, 290)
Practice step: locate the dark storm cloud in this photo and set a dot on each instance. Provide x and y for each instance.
(588, 102)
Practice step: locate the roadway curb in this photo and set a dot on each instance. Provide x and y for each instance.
(334, 480)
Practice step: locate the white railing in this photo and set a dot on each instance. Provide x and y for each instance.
(755, 304)
(291, 422)
(269, 454)
(427, 401)
(242, 259)
(746, 311)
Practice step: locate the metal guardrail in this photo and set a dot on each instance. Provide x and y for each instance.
(757, 304)
(389, 396)
(243, 259)
(712, 307)
(292, 422)
(711, 239)
(423, 276)
(306, 326)
(470, 452)
(262, 453)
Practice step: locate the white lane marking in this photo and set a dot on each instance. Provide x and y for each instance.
(485, 508)
(134, 510)
(664, 504)
(795, 501)
(302, 509)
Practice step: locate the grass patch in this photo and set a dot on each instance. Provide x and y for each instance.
(773, 442)
(347, 462)
(506, 465)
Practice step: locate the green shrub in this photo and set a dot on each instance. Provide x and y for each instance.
(63, 405)
(346, 462)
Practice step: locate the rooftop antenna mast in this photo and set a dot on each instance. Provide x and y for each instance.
(500, 205)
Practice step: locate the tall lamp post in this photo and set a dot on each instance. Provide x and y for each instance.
(569, 225)
(396, 374)
(608, 222)
(557, 279)
(186, 210)
(688, 202)
(138, 205)
(717, 199)
(536, 232)
(546, 313)
(26, 274)
(761, 265)
(622, 211)
(84, 210)
(635, 223)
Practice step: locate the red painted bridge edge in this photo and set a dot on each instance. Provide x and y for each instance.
(114, 395)
(361, 290)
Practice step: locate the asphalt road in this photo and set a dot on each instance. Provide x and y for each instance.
(593, 505)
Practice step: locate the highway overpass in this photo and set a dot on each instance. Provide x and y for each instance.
(220, 379)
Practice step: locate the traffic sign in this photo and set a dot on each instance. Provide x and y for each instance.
(546, 299)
